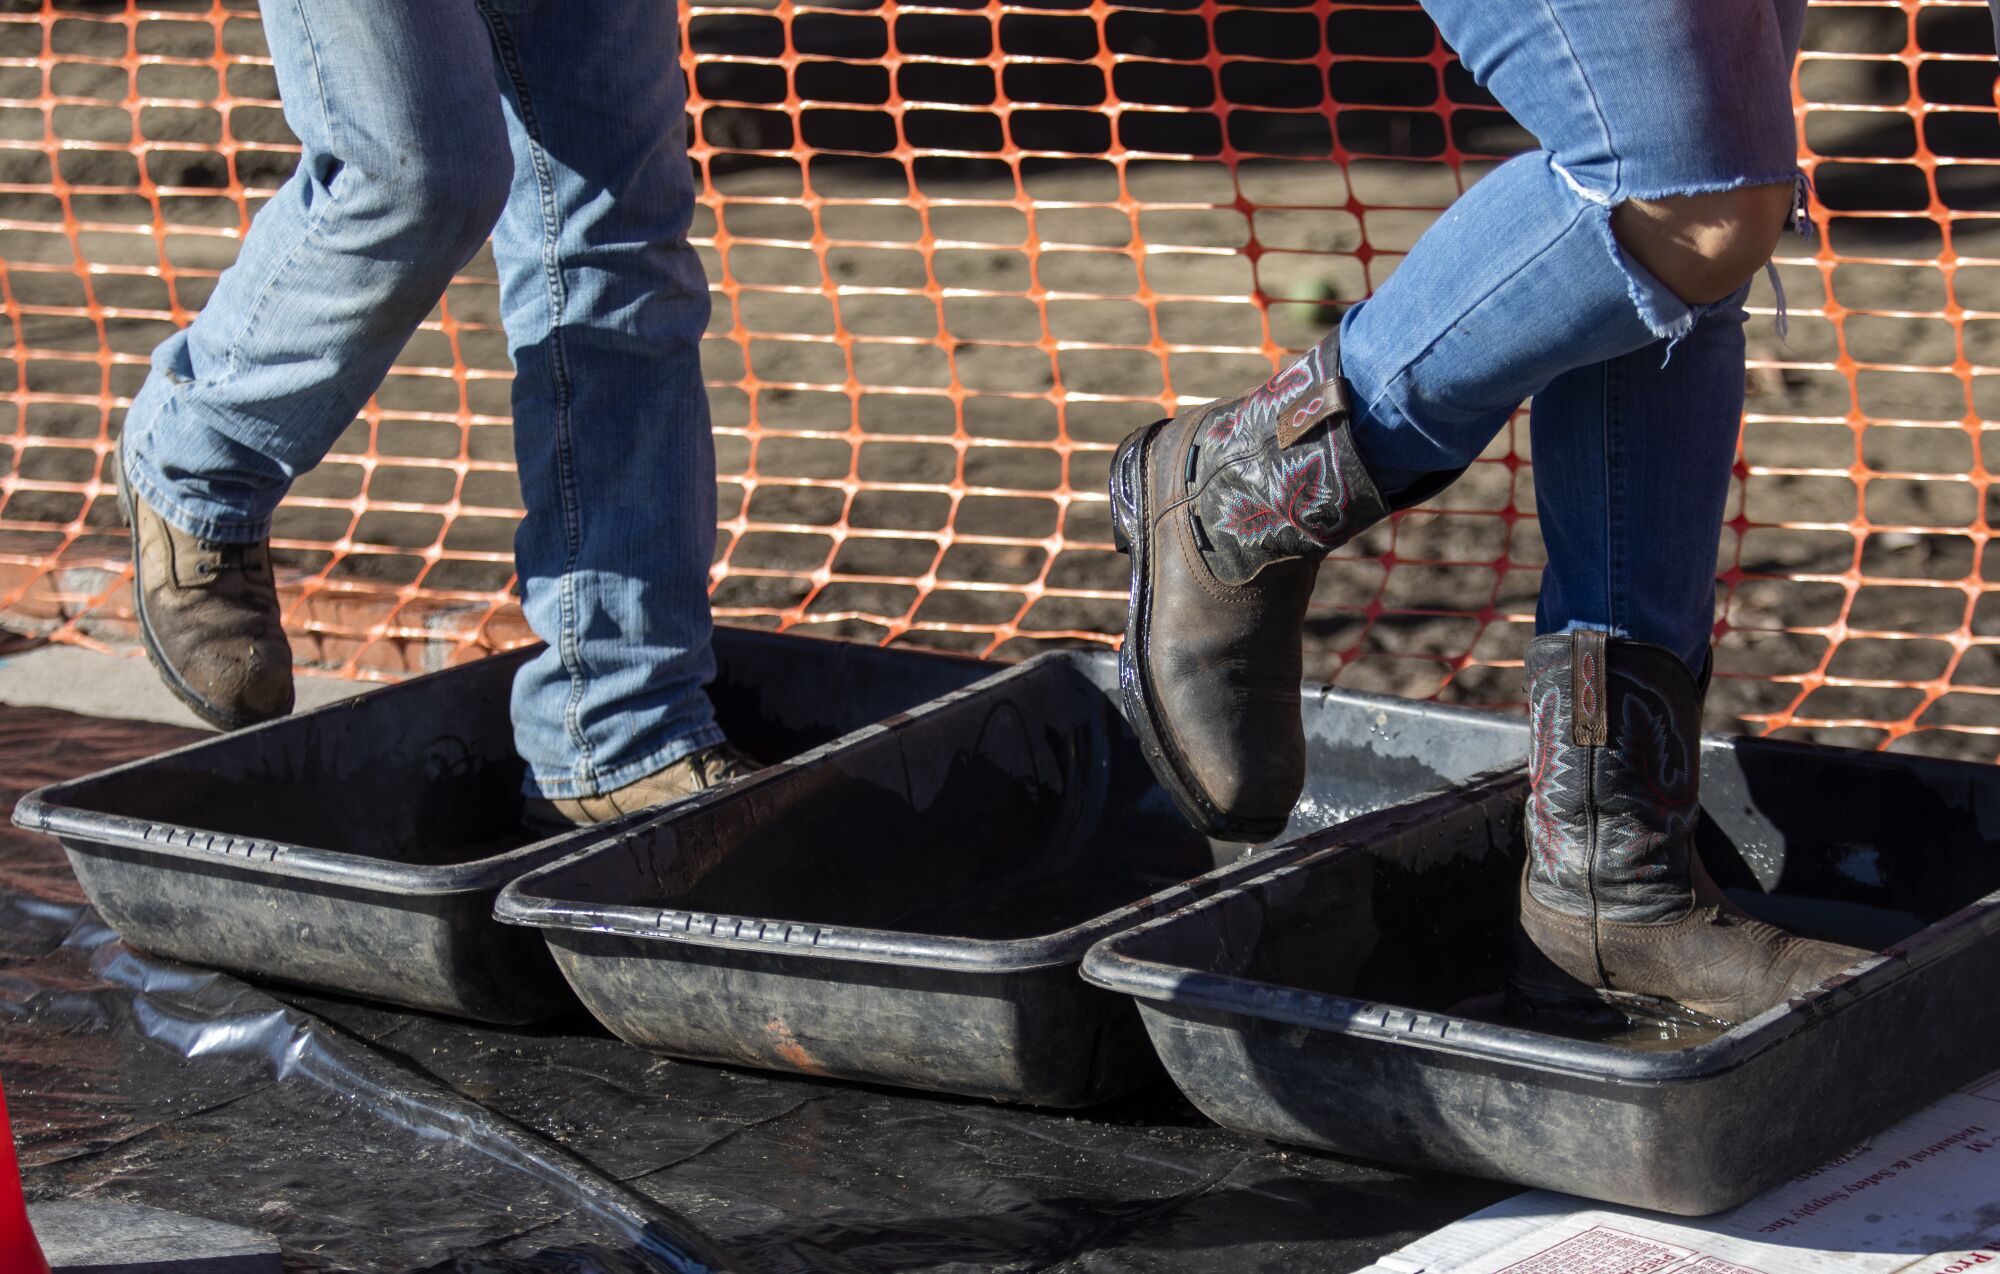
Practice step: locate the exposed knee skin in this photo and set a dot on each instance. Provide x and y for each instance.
(1704, 247)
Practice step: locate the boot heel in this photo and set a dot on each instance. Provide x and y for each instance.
(1126, 474)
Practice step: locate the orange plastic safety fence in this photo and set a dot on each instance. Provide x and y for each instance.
(958, 250)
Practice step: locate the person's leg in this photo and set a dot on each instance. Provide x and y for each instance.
(404, 167)
(1632, 454)
(1667, 138)
(605, 305)
(1632, 459)
(1633, 463)
(1667, 146)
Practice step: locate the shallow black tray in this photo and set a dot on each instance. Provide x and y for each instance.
(909, 907)
(1335, 1001)
(358, 847)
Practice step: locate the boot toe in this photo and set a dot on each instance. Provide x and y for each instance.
(1232, 736)
(1809, 964)
(242, 683)
(1718, 965)
(268, 691)
(1251, 792)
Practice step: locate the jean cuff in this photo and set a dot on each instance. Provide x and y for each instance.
(566, 786)
(191, 517)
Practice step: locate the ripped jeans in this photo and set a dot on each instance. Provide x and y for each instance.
(1520, 291)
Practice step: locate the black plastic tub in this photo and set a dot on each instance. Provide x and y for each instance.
(358, 847)
(910, 907)
(1346, 999)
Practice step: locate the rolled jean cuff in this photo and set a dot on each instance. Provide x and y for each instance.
(198, 518)
(568, 787)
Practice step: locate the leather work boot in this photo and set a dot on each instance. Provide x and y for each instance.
(209, 616)
(1615, 905)
(710, 767)
(1226, 511)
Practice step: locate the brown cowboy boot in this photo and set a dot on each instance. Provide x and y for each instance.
(1227, 511)
(1615, 906)
(710, 767)
(209, 617)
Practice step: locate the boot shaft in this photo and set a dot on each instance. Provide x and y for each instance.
(1615, 768)
(1274, 474)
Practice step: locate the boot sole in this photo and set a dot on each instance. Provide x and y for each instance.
(1129, 520)
(213, 715)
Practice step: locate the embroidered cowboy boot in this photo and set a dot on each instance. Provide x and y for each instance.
(1615, 905)
(1226, 511)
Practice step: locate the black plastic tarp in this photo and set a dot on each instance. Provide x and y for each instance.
(375, 1139)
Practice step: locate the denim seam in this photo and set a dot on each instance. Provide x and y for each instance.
(1590, 91)
(233, 357)
(319, 71)
(566, 644)
(680, 747)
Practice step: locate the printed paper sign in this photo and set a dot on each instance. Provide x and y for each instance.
(1921, 1198)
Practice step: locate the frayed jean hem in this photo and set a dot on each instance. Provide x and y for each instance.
(180, 514)
(1665, 314)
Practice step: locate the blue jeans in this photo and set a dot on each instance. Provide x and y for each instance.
(422, 125)
(1521, 291)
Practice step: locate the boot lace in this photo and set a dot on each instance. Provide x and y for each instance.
(226, 557)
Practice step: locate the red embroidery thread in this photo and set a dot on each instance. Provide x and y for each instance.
(1301, 488)
(1263, 406)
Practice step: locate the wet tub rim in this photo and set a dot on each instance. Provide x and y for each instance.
(518, 904)
(81, 830)
(1110, 966)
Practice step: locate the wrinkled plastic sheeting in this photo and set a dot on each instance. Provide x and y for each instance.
(368, 1138)
(298, 1126)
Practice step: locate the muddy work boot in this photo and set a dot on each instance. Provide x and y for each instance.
(209, 616)
(710, 767)
(1226, 511)
(1615, 906)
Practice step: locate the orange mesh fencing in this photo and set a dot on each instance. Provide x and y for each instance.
(958, 250)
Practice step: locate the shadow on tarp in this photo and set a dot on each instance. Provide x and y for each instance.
(368, 1138)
